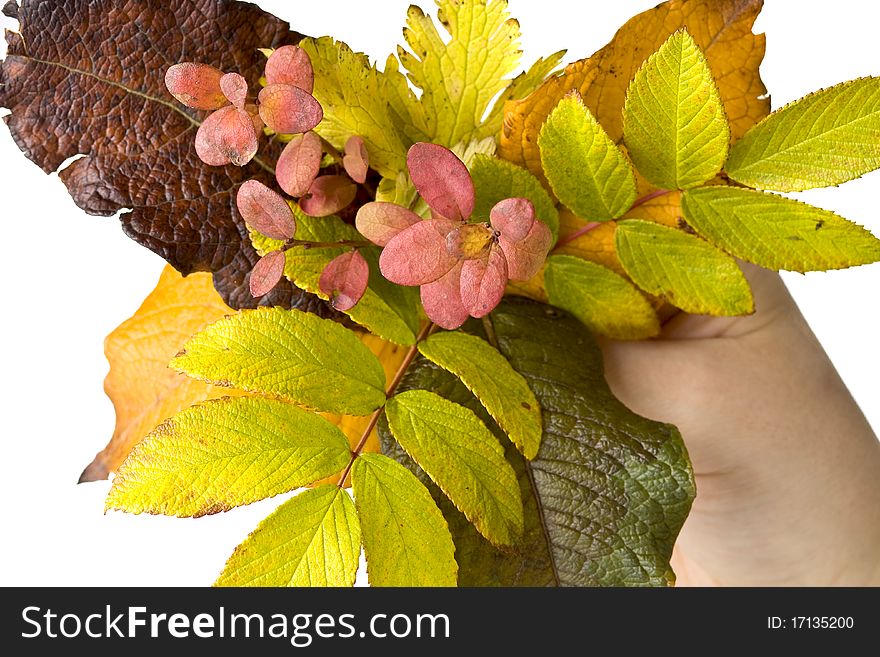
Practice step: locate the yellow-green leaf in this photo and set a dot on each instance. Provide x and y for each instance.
(521, 86)
(777, 232)
(501, 389)
(496, 180)
(406, 538)
(226, 453)
(461, 74)
(463, 458)
(674, 124)
(587, 171)
(691, 273)
(355, 98)
(604, 301)
(311, 540)
(821, 140)
(388, 310)
(289, 354)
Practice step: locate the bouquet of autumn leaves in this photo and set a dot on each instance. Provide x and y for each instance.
(469, 251)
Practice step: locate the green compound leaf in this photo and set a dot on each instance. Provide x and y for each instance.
(406, 539)
(464, 459)
(605, 302)
(459, 74)
(692, 274)
(288, 354)
(821, 140)
(609, 491)
(673, 120)
(356, 101)
(588, 173)
(387, 310)
(226, 453)
(496, 180)
(777, 232)
(488, 375)
(311, 540)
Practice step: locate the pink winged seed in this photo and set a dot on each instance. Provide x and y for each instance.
(265, 210)
(328, 195)
(227, 137)
(299, 164)
(344, 280)
(442, 180)
(289, 110)
(291, 65)
(482, 282)
(418, 255)
(235, 89)
(196, 85)
(513, 218)
(356, 160)
(267, 272)
(379, 222)
(442, 300)
(525, 257)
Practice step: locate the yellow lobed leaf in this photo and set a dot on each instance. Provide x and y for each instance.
(459, 75)
(406, 538)
(313, 539)
(143, 389)
(721, 28)
(225, 453)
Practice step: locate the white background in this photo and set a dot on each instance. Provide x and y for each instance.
(70, 279)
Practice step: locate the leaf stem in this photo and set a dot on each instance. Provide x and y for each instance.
(306, 244)
(649, 197)
(392, 388)
(578, 233)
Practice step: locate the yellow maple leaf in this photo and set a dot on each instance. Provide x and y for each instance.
(143, 389)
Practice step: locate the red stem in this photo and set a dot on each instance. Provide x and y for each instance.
(392, 388)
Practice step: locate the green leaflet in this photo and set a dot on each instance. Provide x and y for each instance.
(821, 140)
(692, 274)
(355, 97)
(777, 232)
(311, 540)
(608, 493)
(588, 173)
(460, 75)
(406, 539)
(605, 302)
(388, 310)
(674, 123)
(226, 453)
(487, 374)
(289, 354)
(520, 87)
(496, 180)
(463, 458)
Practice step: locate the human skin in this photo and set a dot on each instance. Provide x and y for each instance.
(787, 467)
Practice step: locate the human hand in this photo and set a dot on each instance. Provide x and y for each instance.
(787, 467)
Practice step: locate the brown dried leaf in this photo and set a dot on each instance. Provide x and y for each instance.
(87, 77)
